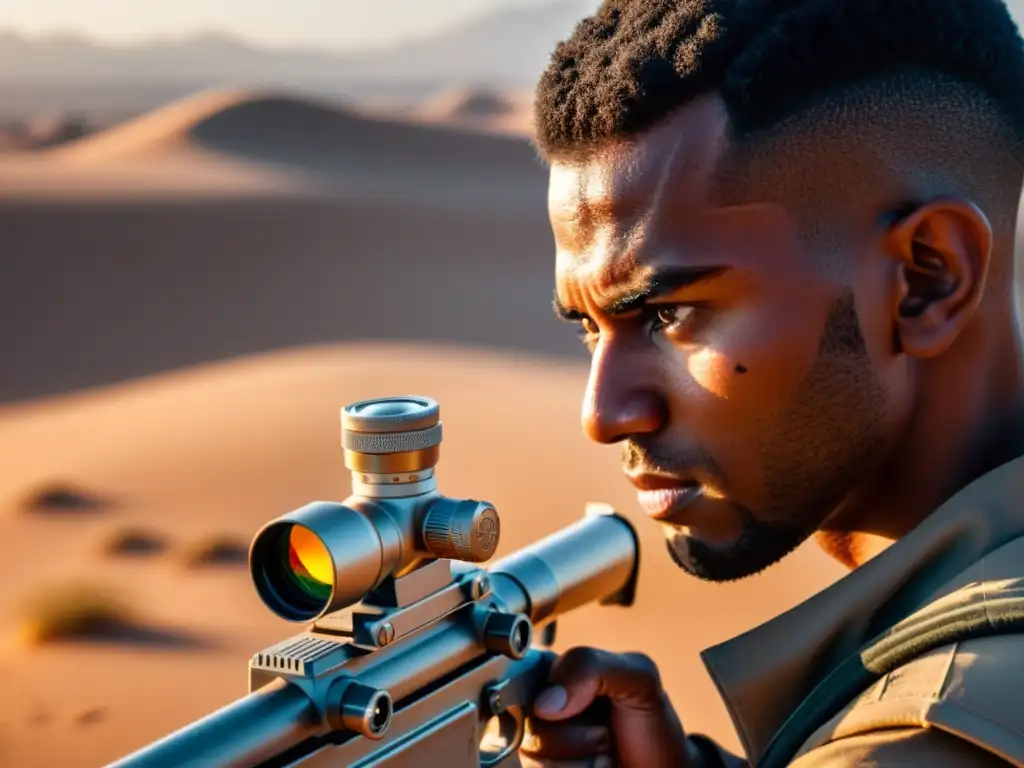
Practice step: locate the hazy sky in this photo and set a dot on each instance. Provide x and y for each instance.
(339, 24)
(321, 23)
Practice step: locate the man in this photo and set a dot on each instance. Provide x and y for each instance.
(785, 230)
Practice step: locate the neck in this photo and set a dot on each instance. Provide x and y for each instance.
(969, 419)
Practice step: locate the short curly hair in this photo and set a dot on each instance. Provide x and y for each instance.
(634, 62)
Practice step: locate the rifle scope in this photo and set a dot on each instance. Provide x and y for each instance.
(327, 556)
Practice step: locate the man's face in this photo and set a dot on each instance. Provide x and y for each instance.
(729, 361)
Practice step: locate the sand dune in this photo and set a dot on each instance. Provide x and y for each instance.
(480, 109)
(468, 103)
(183, 123)
(219, 449)
(234, 223)
(34, 179)
(153, 133)
(42, 131)
(96, 292)
(237, 144)
(280, 128)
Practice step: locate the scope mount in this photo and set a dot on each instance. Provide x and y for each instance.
(404, 604)
(398, 608)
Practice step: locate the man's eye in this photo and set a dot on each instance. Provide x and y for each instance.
(668, 315)
(662, 318)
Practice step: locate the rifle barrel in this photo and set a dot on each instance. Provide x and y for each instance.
(244, 733)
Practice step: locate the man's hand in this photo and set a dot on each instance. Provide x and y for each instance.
(604, 709)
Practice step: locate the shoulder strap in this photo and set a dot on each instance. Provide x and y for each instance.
(934, 626)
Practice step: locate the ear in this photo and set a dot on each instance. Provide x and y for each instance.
(943, 249)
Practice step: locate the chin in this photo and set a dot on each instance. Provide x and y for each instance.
(757, 547)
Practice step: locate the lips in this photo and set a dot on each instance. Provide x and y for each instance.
(664, 498)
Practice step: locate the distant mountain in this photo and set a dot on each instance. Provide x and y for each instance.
(508, 47)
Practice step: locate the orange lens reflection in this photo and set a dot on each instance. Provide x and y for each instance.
(310, 563)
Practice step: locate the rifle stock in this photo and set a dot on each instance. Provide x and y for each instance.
(415, 656)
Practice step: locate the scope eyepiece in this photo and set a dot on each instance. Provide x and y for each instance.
(392, 445)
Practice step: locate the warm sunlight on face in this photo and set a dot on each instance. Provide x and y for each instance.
(712, 371)
(726, 361)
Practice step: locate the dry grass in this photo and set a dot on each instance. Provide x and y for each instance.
(90, 717)
(132, 542)
(90, 613)
(73, 611)
(215, 549)
(59, 496)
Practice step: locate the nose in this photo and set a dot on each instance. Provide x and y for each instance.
(620, 401)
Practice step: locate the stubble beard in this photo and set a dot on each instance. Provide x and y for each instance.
(817, 449)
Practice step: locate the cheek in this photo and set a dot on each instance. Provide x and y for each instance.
(715, 371)
(753, 361)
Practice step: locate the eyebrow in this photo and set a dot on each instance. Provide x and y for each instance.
(659, 283)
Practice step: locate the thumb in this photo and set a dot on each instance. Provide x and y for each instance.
(558, 702)
(582, 675)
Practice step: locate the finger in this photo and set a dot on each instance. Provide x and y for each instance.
(643, 722)
(565, 740)
(581, 675)
(598, 761)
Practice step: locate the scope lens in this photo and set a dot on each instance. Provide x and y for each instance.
(309, 564)
(298, 570)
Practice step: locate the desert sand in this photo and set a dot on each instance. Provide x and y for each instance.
(187, 302)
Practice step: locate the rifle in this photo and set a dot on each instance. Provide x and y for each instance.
(415, 656)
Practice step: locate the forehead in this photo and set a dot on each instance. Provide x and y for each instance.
(677, 200)
(637, 204)
(625, 185)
